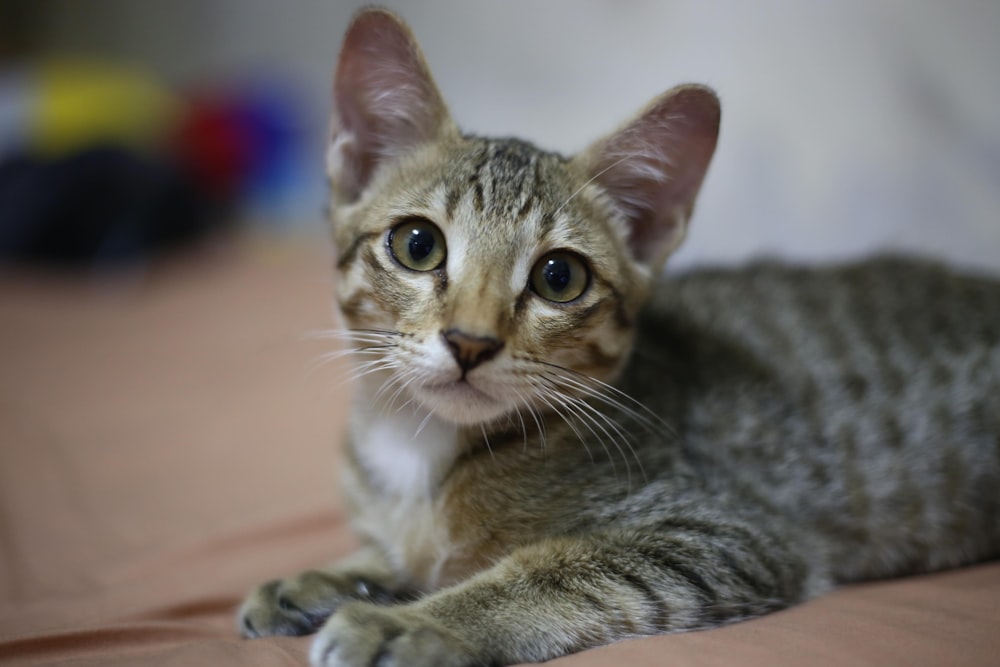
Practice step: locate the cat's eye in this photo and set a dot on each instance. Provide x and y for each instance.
(560, 276)
(417, 244)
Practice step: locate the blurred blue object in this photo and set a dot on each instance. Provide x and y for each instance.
(17, 92)
(250, 140)
(274, 118)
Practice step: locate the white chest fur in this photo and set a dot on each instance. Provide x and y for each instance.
(408, 453)
(405, 456)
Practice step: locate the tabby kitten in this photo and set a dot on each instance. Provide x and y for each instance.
(552, 448)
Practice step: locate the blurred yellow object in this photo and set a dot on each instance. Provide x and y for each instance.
(83, 103)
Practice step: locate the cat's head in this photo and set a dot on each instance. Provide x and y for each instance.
(487, 275)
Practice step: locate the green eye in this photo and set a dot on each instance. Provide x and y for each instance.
(417, 244)
(560, 276)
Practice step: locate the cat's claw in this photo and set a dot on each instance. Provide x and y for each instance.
(269, 610)
(299, 605)
(360, 634)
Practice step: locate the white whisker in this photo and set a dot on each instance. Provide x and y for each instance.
(545, 393)
(342, 334)
(573, 396)
(357, 371)
(587, 419)
(539, 422)
(403, 380)
(359, 343)
(622, 436)
(600, 390)
(482, 427)
(330, 357)
(524, 429)
(423, 423)
(592, 179)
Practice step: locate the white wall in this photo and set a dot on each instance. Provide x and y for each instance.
(848, 126)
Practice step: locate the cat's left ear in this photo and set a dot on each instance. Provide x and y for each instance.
(653, 167)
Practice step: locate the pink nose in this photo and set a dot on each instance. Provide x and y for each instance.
(470, 351)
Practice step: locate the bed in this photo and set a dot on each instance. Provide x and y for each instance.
(167, 441)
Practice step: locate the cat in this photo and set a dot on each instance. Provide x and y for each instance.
(554, 447)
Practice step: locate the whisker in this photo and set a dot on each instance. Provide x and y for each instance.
(544, 394)
(649, 418)
(403, 380)
(359, 343)
(340, 331)
(623, 436)
(423, 423)
(539, 422)
(600, 390)
(330, 357)
(592, 179)
(486, 439)
(362, 370)
(557, 391)
(583, 411)
(524, 429)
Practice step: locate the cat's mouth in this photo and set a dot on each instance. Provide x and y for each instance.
(457, 388)
(460, 401)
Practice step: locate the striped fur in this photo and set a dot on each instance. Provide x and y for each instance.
(654, 456)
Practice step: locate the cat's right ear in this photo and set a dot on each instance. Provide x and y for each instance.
(385, 101)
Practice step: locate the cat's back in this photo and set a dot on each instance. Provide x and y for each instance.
(895, 304)
(891, 337)
(873, 326)
(862, 398)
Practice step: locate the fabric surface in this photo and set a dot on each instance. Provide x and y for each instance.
(168, 441)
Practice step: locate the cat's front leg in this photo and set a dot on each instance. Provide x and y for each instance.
(364, 635)
(300, 604)
(562, 596)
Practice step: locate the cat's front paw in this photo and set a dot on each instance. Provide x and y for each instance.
(364, 635)
(299, 605)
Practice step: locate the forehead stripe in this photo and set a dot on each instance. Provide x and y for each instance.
(351, 254)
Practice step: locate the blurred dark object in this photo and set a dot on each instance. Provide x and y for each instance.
(19, 28)
(104, 206)
(103, 165)
(89, 174)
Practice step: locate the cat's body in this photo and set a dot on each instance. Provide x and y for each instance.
(771, 432)
(861, 403)
(884, 374)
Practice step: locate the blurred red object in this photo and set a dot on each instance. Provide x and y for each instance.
(216, 145)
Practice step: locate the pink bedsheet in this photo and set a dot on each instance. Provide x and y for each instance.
(166, 443)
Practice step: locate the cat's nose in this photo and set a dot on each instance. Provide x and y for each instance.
(470, 351)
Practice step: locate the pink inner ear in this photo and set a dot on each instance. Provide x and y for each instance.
(385, 99)
(654, 167)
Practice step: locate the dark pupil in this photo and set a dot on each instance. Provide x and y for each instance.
(421, 244)
(557, 274)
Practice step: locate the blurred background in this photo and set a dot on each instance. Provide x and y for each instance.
(131, 126)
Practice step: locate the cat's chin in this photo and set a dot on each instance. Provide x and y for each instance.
(461, 403)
